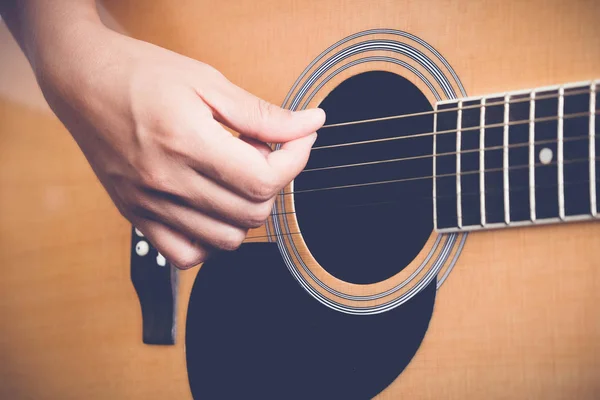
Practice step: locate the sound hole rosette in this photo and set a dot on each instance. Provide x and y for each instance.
(414, 59)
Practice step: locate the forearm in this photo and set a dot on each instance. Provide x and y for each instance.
(41, 27)
(69, 48)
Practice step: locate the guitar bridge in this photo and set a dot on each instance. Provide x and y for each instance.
(155, 282)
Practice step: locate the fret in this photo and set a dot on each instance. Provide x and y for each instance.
(505, 175)
(592, 150)
(458, 169)
(597, 143)
(521, 158)
(546, 176)
(576, 146)
(518, 155)
(469, 163)
(482, 163)
(532, 156)
(493, 139)
(560, 156)
(445, 166)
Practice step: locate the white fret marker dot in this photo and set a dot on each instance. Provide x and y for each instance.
(160, 260)
(142, 248)
(546, 156)
(138, 232)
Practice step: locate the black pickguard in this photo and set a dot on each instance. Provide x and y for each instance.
(254, 333)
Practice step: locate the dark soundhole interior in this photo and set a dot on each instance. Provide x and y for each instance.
(366, 234)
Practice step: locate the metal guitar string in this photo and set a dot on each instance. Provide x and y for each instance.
(491, 191)
(471, 128)
(514, 167)
(467, 193)
(476, 106)
(431, 62)
(426, 156)
(295, 96)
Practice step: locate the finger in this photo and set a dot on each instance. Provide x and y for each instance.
(195, 225)
(263, 148)
(214, 152)
(175, 247)
(291, 158)
(258, 119)
(209, 197)
(248, 173)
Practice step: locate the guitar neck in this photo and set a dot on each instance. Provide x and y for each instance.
(519, 158)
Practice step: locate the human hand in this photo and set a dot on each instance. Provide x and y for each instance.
(149, 122)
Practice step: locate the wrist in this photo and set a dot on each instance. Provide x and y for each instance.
(60, 51)
(84, 62)
(41, 26)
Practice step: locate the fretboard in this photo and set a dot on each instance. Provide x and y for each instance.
(518, 158)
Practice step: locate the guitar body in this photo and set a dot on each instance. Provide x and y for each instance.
(332, 298)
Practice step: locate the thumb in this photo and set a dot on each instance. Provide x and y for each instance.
(258, 119)
(291, 158)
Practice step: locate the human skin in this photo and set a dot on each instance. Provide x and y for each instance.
(149, 123)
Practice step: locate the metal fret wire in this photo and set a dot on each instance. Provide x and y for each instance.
(482, 161)
(592, 150)
(560, 172)
(505, 165)
(532, 209)
(435, 169)
(458, 159)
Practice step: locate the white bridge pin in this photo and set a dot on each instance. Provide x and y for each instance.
(142, 248)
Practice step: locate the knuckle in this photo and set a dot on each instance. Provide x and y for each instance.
(232, 239)
(265, 111)
(175, 133)
(142, 209)
(257, 214)
(126, 211)
(135, 203)
(184, 263)
(210, 72)
(263, 188)
(154, 178)
(189, 259)
(215, 75)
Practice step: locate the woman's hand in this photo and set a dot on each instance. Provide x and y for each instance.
(149, 122)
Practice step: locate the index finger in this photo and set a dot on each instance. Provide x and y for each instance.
(241, 167)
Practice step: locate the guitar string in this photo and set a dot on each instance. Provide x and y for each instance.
(490, 126)
(432, 176)
(426, 156)
(475, 212)
(514, 188)
(476, 106)
(449, 131)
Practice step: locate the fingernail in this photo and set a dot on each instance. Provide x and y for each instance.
(314, 138)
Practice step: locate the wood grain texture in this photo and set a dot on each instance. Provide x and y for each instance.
(517, 318)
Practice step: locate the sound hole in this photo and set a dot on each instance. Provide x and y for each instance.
(368, 233)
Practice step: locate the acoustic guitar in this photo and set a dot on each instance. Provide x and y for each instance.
(442, 242)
